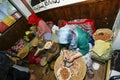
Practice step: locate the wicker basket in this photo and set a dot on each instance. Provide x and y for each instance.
(104, 34)
(81, 68)
(24, 52)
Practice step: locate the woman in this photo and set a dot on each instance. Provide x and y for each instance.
(42, 27)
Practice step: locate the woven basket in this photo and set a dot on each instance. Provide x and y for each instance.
(104, 34)
(81, 68)
(24, 52)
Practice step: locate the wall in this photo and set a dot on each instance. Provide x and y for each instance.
(102, 11)
(15, 32)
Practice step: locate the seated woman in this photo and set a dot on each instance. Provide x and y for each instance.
(42, 27)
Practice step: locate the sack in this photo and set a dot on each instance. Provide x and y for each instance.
(106, 56)
(5, 64)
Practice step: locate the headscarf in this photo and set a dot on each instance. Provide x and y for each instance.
(33, 19)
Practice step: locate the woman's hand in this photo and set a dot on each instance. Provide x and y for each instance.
(70, 59)
(67, 57)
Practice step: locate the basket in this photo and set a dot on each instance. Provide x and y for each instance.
(81, 69)
(104, 34)
(24, 52)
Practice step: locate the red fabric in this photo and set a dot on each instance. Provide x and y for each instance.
(33, 59)
(33, 19)
(64, 23)
(87, 22)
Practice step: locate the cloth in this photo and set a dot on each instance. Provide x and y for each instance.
(5, 64)
(54, 38)
(7, 72)
(21, 68)
(47, 36)
(33, 19)
(101, 47)
(103, 58)
(83, 39)
(88, 60)
(43, 27)
(15, 74)
(64, 35)
(55, 28)
(73, 45)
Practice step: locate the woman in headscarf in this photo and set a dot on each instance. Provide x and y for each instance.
(42, 27)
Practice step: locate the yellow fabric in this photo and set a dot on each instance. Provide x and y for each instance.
(101, 47)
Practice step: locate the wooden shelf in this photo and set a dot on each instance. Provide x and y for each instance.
(13, 34)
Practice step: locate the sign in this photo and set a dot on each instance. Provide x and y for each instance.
(42, 5)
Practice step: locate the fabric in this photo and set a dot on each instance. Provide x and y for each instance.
(33, 59)
(86, 24)
(54, 38)
(101, 47)
(105, 57)
(15, 74)
(43, 27)
(88, 60)
(33, 19)
(21, 68)
(64, 35)
(47, 36)
(83, 39)
(5, 64)
(55, 28)
(7, 72)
